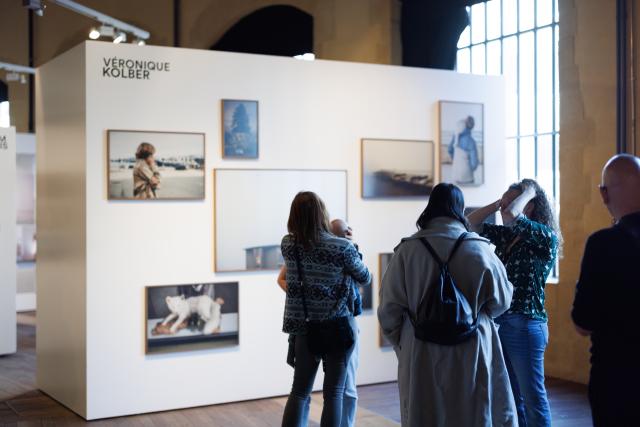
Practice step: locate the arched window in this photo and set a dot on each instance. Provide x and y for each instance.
(274, 30)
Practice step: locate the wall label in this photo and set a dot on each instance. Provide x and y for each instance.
(4, 145)
(135, 69)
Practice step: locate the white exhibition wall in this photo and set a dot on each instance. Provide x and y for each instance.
(8, 199)
(313, 115)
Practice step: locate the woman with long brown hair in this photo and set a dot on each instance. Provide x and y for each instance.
(317, 313)
(528, 244)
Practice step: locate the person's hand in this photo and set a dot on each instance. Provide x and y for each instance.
(348, 234)
(529, 189)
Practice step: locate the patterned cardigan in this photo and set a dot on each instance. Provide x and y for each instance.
(327, 290)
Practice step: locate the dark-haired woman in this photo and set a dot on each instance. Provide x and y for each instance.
(448, 385)
(528, 245)
(325, 261)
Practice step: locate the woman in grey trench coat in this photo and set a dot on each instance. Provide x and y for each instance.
(459, 385)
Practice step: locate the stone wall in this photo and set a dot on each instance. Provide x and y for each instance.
(587, 66)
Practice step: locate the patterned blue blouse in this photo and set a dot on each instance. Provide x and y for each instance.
(325, 267)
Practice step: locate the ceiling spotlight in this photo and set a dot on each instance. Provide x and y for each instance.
(306, 57)
(12, 76)
(140, 42)
(94, 34)
(120, 37)
(107, 31)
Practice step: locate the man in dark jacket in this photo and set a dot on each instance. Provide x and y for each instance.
(608, 295)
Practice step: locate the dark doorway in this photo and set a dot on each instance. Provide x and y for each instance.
(273, 30)
(4, 91)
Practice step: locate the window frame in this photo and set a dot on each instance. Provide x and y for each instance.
(554, 134)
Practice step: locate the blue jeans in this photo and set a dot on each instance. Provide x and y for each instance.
(523, 343)
(350, 399)
(296, 411)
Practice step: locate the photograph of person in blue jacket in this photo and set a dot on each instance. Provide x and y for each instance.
(463, 151)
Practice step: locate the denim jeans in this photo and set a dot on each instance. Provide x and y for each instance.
(523, 343)
(350, 399)
(296, 411)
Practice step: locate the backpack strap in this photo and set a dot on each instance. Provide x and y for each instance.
(435, 256)
(457, 245)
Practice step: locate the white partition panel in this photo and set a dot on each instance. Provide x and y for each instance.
(313, 116)
(7, 240)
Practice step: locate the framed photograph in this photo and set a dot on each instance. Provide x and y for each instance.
(191, 317)
(461, 143)
(239, 129)
(251, 209)
(366, 293)
(383, 263)
(491, 219)
(150, 165)
(393, 169)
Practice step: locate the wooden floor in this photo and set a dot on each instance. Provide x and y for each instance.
(22, 405)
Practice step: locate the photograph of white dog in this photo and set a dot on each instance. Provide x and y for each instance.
(191, 317)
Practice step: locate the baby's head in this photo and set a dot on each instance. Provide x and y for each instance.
(340, 228)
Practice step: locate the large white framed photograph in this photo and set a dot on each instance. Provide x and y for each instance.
(461, 143)
(191, 317)
(153, 165)
(396, 169)
(251, 209)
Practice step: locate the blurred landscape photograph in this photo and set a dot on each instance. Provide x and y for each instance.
(397, 168)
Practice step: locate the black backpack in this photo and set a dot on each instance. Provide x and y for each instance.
(444, 315)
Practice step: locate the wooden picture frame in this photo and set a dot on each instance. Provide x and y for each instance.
(382, 263)
(147, 136)
(401, 181)
(226, 149)
(444, 156)
(194, 343)
(283, 203)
